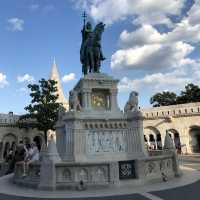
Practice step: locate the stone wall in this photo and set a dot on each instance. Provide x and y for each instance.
(182, 121)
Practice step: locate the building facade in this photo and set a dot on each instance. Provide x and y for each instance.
(181, 121)
(11, 135)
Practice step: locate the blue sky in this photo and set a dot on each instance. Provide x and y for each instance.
(149, 47)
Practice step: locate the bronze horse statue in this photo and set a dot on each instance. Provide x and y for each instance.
(91, 53)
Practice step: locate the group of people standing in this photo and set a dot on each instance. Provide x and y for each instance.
(24, 154)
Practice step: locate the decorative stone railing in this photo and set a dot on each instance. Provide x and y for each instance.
(155, 167)
(172, 111)
(5, 119)
(69, 176)
(33, 175)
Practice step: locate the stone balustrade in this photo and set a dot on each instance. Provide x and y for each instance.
(69, 175)
(8, 119)
(172, 111)
(33, 175)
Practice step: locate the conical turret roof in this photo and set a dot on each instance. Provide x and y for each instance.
(54, 75)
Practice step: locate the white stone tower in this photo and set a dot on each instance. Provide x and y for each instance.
(55, 76)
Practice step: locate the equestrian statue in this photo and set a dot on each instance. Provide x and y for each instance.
(91, 53)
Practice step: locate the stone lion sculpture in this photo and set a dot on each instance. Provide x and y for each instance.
(132, 103)
(74, 103)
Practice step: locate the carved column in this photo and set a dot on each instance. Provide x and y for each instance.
(86, 99)
(114, 105)
(89, 99)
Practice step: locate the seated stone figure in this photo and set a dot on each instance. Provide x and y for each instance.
(74, 103)
(132, 103)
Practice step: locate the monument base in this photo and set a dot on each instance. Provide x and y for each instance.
(66, 175)
(98, 144)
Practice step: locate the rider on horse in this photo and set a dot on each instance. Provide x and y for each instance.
(91, 53)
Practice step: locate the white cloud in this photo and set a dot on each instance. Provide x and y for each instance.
(147, 48)
(15, 24)
(171, 81)
(146, 34)
(34, 7)
(3, 80)
(25, 78)
(147, 11)
(151, 56)
(184, 31)
(155, 82)
(68, 77)
(163, 56)
(194, 14)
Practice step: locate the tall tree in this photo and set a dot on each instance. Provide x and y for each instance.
(43, 108)
(190, 94)
(163, 99)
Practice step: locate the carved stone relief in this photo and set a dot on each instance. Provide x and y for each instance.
(106, 141)
(100, 175)
(162, 165)
(169, 163)
(151, 167)
(67, 176)
(83, 175)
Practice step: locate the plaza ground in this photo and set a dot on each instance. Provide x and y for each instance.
(186, 187)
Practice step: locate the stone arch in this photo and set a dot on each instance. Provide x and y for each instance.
(9, 137)
(6, 149)
(176, 138)
(8, 141)
(159, 141)
(194, 134)
(153, 136)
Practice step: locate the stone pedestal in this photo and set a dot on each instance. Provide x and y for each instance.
(47, 167)
(47, 174)
(99, 145)
(99, 132)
